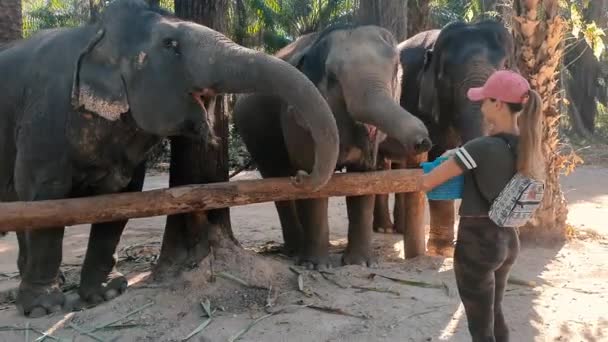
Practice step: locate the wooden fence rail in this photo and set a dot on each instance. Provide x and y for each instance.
(66, 212)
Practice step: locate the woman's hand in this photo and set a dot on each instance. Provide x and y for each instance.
(441, 174)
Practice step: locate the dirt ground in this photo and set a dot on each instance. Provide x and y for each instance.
(558, 294)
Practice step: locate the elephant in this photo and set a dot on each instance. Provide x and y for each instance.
(82, 107)
(356, 68)
(440, 65)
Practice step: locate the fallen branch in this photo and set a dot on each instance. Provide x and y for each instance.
(374, 289)
(335, 311)
(409, 282)
(325, 276)
(16, 216)
(516, 281)
(229, 276)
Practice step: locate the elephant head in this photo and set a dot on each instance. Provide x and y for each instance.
(357, 70)
(145, 65)
(463, 56)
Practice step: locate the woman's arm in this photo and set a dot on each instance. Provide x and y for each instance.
(441, 174)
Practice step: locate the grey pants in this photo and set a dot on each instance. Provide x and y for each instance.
(483, 258)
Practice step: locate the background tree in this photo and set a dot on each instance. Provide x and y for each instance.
(11, 23)
(417, 16)
(188, 238)
(390, 14)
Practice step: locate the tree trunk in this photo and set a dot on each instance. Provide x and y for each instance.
(189, 237)
(240, 30)
(417, 17)
(390, 14)
(538, 36)
(11, 21)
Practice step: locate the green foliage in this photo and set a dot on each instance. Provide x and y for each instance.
(39, 14)
(593, 35)
(238, 156)
(272, 24)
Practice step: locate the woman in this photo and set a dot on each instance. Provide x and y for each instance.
(485, 252)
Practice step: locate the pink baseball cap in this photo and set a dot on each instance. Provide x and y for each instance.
(503, 85)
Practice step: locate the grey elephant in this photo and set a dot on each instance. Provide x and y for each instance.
(357, 70)
(439, 67)
(81, 108)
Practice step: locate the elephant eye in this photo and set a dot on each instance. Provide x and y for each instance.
(171, 44)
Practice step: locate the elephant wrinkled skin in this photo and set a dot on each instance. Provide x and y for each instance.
(81, 108)
(439, 67)
(357, 70)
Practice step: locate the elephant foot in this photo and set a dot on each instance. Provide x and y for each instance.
(36, 301)
(384, 230)
(359, 257)
(317, 262)
(95, 294)
(440, 248)
(387, 230)
(290, 250)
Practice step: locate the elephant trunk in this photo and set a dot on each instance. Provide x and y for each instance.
(378, 108)
(222, 66)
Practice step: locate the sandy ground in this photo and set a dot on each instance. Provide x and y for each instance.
(565, 298)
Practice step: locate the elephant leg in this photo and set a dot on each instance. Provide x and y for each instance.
(441, 235)
(99, 279)
(291, 226)
(359, 250)
(40, 289)
(314, 248)
(382, 217)
(399, 211)
(288, 215)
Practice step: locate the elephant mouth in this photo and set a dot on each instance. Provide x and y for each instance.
(205, 98)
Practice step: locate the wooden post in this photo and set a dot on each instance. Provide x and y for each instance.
(193, 198)
(412, 223)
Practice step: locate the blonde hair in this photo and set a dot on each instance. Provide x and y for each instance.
(530, 157)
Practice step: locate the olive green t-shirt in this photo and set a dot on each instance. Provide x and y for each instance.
(488, 164)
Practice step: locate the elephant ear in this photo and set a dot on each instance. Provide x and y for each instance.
(97, 86)
(428, 91)
(294, 52)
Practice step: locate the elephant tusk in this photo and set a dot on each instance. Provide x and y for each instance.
(211, 113)
(208, 111)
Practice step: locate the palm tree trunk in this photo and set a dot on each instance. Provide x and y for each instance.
(538, 32)
(11, 21)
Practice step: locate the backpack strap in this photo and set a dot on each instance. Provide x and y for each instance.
(510, 147)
